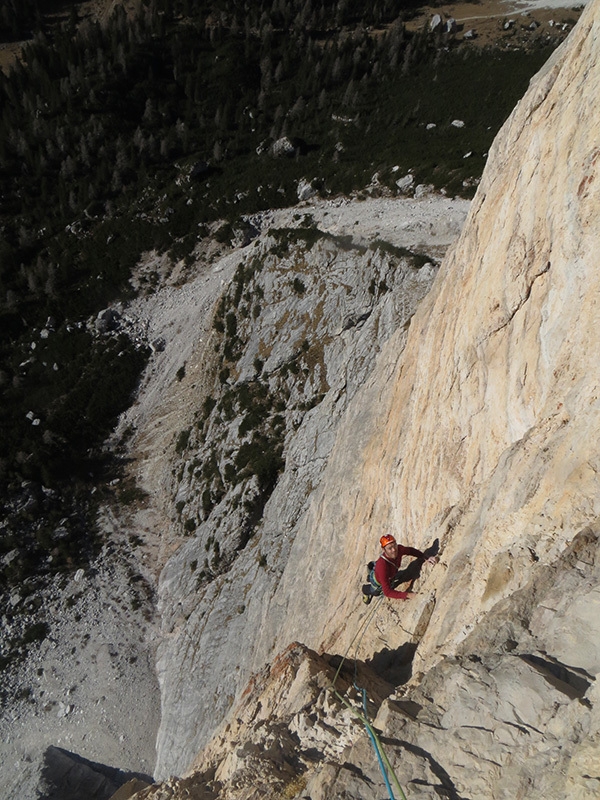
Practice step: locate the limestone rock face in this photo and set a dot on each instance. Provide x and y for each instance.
(482, 434)
(477, 428)
(298, 331)
(503, 716)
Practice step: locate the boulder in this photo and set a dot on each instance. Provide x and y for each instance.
(423, 190)
(107, 320)
(130, 789)
(306, 189)
(406, 183)
(158, 345)
(436, 22)
(67, 776)
(283, 147)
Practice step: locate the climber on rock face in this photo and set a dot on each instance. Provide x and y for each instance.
(387, 567)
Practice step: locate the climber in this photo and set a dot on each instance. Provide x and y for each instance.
(385, 574)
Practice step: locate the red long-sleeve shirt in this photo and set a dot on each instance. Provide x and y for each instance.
(385, 569)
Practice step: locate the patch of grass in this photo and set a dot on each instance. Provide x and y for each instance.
(190, 525)
(298, 286)
(182, 441)
(207, 406)
(293, 787)
(285, 237)
(262, 457)
(224, 234)
(131, 493)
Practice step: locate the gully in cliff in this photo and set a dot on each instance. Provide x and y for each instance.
(385, 574)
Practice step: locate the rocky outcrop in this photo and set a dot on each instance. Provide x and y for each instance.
(510, 713)
(297, 333)
(476, 428)
(286, 733)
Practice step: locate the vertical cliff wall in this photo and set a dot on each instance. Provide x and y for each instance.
(297, 332)
(481, 433)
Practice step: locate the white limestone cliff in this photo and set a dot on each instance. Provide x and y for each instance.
(213, 602)
(478, 428)
(484, 431)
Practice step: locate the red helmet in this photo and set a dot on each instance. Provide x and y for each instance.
(386, 539)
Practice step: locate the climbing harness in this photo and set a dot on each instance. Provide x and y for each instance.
(384, 763)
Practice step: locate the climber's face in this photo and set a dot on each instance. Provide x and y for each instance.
(391, 550)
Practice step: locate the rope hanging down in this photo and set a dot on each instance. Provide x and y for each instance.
(384, 763)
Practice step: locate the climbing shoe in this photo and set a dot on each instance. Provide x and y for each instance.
(366, 594)
(366, 598)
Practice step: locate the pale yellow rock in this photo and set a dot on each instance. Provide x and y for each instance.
(483, 432)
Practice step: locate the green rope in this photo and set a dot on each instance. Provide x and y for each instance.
(375, 737)
(362, 717)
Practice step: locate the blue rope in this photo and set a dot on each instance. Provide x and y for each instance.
(374, 743)
(381, 756)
